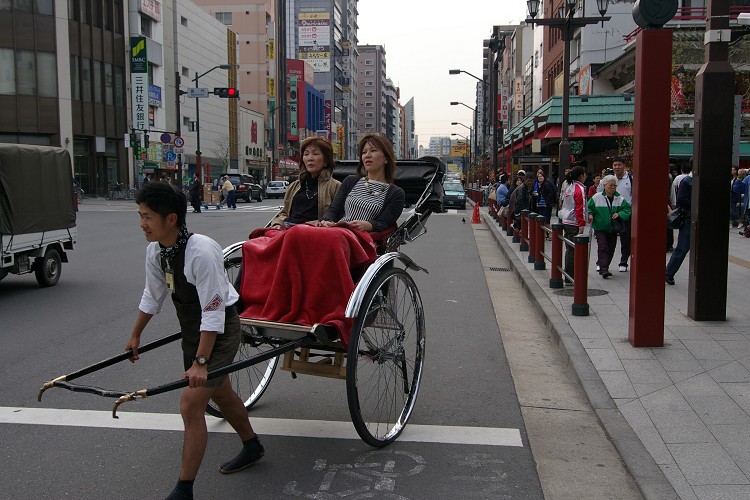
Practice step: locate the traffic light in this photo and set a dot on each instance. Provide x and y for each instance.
(227, 93)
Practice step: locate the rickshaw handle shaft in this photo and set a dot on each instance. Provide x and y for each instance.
(239, 365)
(105, 363)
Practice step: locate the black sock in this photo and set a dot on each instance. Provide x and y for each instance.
(183, 490)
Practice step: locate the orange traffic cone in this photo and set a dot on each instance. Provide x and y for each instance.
(475, 215)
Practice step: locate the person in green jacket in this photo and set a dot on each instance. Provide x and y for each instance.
(605, 209)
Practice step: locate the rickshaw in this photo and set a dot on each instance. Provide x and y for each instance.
(383, 363)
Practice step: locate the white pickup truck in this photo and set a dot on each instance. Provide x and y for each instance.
(37, 213)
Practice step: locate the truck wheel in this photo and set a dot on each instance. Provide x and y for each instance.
(48, 269)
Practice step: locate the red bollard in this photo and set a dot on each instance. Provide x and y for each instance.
(581, 277)
(532, 237)
(555, 278)
(539, 264)
(524, 231)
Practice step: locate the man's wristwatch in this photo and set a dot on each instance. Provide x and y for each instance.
(201, 360)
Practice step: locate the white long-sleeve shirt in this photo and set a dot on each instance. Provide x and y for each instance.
(204, 268)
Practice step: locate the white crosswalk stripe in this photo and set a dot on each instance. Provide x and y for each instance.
(490, 436)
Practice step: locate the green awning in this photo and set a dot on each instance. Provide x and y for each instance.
(685, 149)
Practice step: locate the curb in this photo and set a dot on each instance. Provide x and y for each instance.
(647, 475)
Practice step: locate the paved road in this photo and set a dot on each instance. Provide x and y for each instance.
(87, 317)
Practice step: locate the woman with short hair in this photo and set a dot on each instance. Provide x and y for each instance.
(605, 208)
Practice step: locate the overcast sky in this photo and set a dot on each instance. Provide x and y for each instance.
(423, 39)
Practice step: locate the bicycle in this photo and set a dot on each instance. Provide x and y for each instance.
(120, 192)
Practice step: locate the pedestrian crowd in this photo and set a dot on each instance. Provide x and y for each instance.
(604, 200)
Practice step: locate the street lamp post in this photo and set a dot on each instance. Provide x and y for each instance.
(566, 23)
(198, 152)
(485, 87)
(456, 103)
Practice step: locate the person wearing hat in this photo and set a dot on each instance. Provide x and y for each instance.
(521, 173)
(229, 194)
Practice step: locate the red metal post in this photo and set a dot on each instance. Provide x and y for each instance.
(648, 239)
(581, 276)
(532, 237)
(555, 277)
(539, 264)
(525, 231)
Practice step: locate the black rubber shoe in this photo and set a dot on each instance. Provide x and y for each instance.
(252, 452)
(669, 280)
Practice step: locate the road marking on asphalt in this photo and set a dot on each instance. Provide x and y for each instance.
(489, 436)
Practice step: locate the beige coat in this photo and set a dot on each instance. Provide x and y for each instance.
(327, 187)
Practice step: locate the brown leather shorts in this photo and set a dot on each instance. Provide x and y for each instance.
(225, 348)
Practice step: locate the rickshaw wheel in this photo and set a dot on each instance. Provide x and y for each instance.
(385, 358)
(249, 383)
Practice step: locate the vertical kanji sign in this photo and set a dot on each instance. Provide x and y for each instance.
(139, 82)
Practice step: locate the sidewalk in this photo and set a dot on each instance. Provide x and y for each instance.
(678, 415)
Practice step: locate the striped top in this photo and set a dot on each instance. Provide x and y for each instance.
(364, 202)
(343, 206)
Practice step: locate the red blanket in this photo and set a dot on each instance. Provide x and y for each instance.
(303, 274)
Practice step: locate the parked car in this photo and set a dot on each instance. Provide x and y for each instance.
(247, 188)
(276, 189)
(455, 195)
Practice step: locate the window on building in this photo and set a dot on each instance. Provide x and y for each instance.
(368, 125)
(24, 5)
(97, 81)
(45, 7)
(7, 72)
(47, 64)
(96, 13)
(370, 115)
(369, 72)
(369, 84)
(108, 84)
(185, 71)
(86, 79)
(107, 16)
(183, 21)
(119, 86)
(75, 79)
(117, 16)
(369, 104)
(225, 18)
(369, 62)
(146, 26)
(26, 72)
(85, 11)
(369, 93)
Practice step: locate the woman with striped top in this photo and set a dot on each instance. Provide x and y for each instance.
(369, 201)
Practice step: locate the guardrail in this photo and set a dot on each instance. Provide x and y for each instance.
(531, 234)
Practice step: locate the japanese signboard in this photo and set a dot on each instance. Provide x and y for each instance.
(151, 8)
(327, 116)
(139, 82)
(314, 32)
